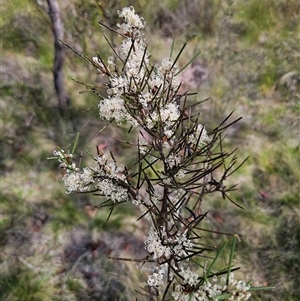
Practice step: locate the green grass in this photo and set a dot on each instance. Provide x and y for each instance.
(252, 59)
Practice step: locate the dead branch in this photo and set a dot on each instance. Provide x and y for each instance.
(59, 57)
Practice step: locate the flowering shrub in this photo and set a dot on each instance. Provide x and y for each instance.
(178, 163)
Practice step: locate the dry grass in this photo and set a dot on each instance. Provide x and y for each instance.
(54, 246)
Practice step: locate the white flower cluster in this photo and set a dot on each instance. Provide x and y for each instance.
(155, 245)
(173, 160)
(165, 76)
(150, 89)
(60, 154)
(195, 289)
(199, 135)
(106, 177)
(74, 179)
(65, 160)
(132, 21)
(113, 108)
(119, 85)
(137, 59)
(159, 244)
(78, 181)
(156, 279)
(109, 189)
(98, 63)
(167, 115)
(110, 168)
(133, 52)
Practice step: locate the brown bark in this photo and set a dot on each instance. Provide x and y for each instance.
(59, 57)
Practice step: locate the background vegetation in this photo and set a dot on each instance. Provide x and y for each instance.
(54, 246)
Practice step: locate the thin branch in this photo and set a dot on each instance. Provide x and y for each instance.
(59, 57)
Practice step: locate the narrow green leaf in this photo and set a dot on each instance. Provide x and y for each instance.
(178, 55)
(189, 62)
(90, 154)
(230, 258)
(76, 52)
(172, 48)
(98, 133)
(75, 143)
(223, 296)
(82, 83)
(217, 256)
(52, 158)
(261, 288)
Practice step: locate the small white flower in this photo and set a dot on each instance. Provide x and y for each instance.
(111, 61)
(156, 279)
(154, 245)
(101, 159)
(119, 85)
(78, 181)
(165, 65)
(155, 82)
(170, 112)
(168, 133)
(98, 62)
(131, 18)
(173, 160)
(113, 108)
(200, 131)
(145, 99)
(151, 121)
(58, 153)
(109, 189)
(189, 277)
(61, 155)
